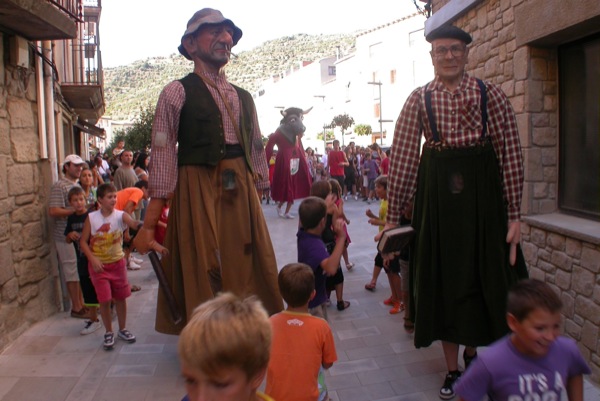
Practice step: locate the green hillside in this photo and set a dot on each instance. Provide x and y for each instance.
(132, 87)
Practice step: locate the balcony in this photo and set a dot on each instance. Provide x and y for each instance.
(85, 92)
(40, 19)
(82, 83)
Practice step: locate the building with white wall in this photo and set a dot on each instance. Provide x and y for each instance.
(395, 55)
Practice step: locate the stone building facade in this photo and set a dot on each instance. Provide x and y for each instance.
(50, 72)
(517, 44)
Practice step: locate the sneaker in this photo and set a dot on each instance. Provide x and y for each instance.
(289, 216)
(133, 266)
(349, 266)
(447, 390)
(126, 335)
(345, 197)
(397, 307)
(90, 327)
(109, 340)
(80, 314)
(279, 211)
(389, 301)
(355, 197)
(136, 260)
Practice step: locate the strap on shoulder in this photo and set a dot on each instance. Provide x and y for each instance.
(484, 112)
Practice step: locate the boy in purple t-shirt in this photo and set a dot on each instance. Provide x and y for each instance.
(533, 362)
(311, 248)
(371, 170)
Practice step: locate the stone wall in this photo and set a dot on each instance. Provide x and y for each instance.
(572, 267)
(529, 76)
(28, 282)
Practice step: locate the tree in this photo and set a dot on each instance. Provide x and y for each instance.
(329, 135)
(139, 136)
(363, 130)
(344, 121)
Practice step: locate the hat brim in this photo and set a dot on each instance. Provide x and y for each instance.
(237, 34)
(449, 32)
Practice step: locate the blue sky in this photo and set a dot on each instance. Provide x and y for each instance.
(132, 30)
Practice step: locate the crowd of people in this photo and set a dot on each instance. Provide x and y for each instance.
(218, 258)
(354, 167)
(97, 207)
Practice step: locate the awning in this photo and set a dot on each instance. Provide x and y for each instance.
(91, 129)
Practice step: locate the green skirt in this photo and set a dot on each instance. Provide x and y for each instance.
(460, 274)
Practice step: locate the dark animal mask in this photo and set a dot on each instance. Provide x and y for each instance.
(291, 124)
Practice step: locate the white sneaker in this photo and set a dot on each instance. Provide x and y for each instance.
(280, 211)
(90, 327)
(136, 260)
(133, 266)
(289, 216)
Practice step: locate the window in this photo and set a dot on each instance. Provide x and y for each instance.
(414, 38)
(579, 143)
(332, 70)
(375, 50)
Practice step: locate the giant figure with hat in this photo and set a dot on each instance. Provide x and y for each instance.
(208, 155)
(467, 183)
(291, 176)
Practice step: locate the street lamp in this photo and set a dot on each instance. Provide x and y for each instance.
(380, 111)
(325, 126)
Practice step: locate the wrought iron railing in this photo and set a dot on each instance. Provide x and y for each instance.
(73, 8)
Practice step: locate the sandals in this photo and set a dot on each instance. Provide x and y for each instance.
(397, 307)
(135, 288)
(370, 287)
(342, 305)
(349, 266)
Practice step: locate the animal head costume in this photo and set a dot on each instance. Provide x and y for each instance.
(291, 124)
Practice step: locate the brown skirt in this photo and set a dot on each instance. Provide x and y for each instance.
(218, 241)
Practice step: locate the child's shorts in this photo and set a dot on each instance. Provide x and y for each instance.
(332, 281)
(112, 282)
(393, 267)
(371, 184)
(319, 311)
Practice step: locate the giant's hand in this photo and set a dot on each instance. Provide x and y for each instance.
(144, 242)
(513, 238)
(380, 233)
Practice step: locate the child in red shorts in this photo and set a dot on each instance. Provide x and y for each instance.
(102, 242)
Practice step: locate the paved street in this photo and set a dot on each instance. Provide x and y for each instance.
(377, 361)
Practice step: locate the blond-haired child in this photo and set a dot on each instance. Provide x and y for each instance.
(224, 350)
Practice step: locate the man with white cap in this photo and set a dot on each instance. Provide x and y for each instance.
(207, 153)
(60, 209)
(467, 186)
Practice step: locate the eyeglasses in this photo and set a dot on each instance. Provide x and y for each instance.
(455, 50)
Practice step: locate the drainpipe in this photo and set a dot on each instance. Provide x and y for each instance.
(49, 102)
(39, 70)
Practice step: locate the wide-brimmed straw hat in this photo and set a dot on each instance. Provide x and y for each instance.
(207, 16)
